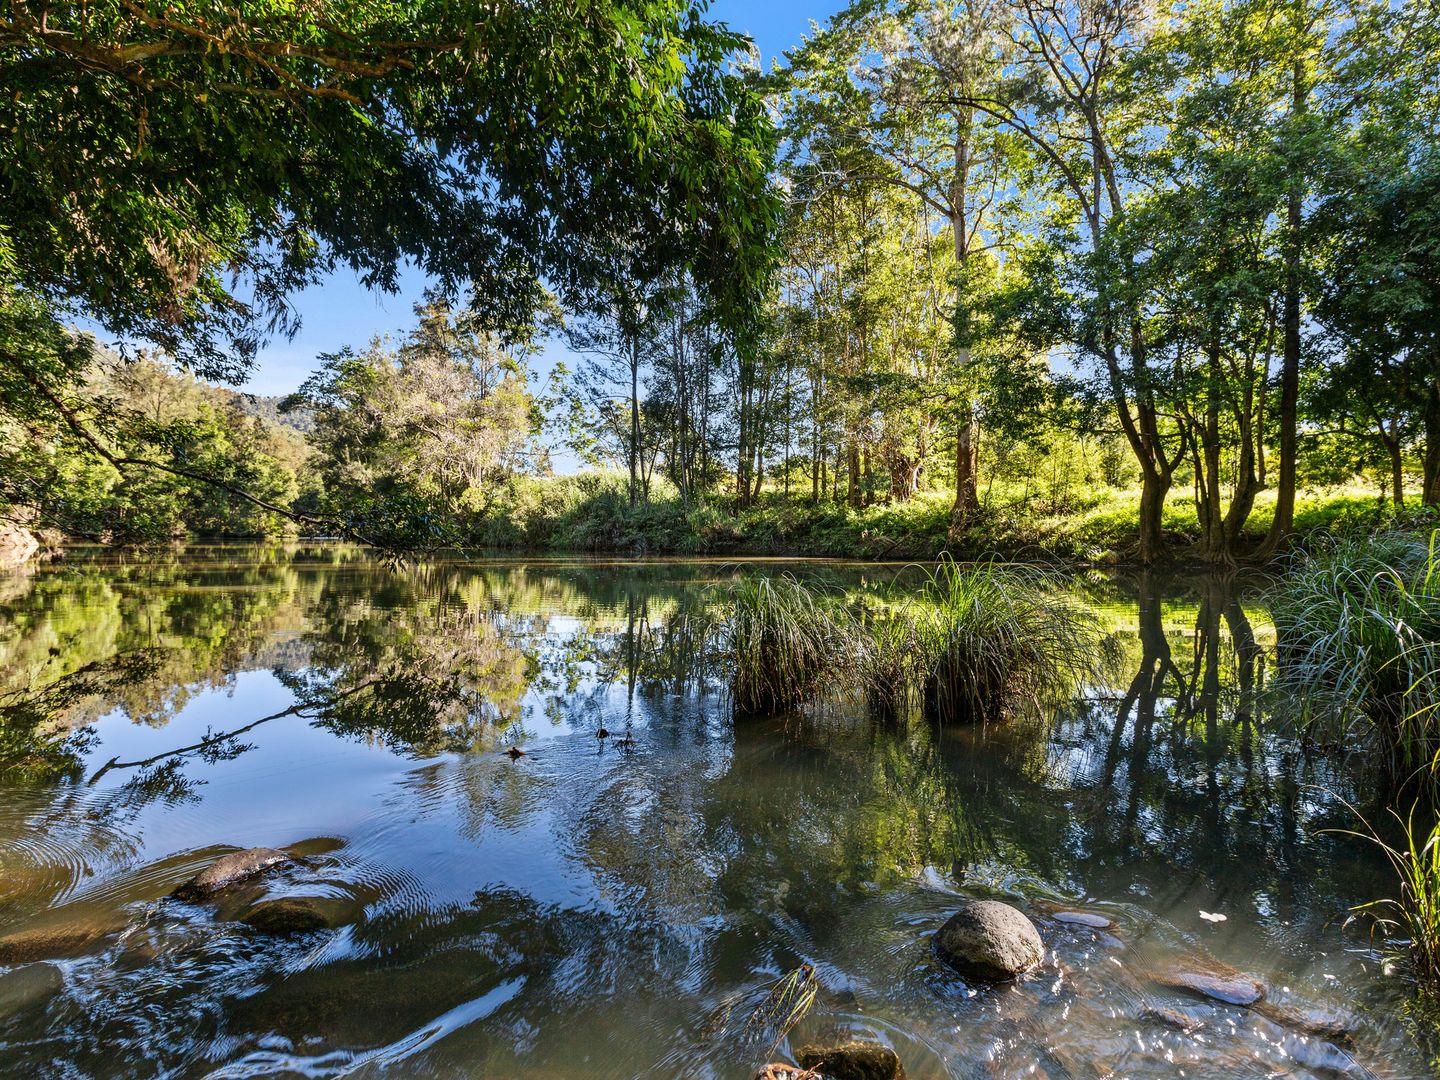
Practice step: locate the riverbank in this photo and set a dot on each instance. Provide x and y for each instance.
(590, 513)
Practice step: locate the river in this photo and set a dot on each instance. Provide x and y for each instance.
(609, 906)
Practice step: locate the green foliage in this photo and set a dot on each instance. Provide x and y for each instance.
(972, 643)
(198, 448)
(151, 154)
(791, 644)
(1414, 915)
(993, 640)
(1358, 626)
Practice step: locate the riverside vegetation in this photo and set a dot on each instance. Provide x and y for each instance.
(1108, 283)
(998, 281)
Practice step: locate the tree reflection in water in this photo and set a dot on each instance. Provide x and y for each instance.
(615, 896)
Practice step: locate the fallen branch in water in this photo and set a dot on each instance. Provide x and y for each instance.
(218, 739)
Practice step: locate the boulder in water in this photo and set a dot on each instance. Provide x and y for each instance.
(1178, 1019)
(990, 940)
(58, 940)
(230, 870)
(1083, 918)
(852, 1060)
(298, 914)
(17, 545)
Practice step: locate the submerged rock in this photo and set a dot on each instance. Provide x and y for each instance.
(299, 914)
(55, 941)
(1083, 918)
(989, 939)
(29, 986)
(1224, 985)
(853, 1060)
(230, 870)
(782, 1071)
(1178, 1019)
(1328, 1026)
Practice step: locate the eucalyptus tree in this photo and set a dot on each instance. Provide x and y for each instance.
(900, 81)
(409, 440)
(614, 333)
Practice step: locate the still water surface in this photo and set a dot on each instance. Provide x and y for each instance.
(598, 906)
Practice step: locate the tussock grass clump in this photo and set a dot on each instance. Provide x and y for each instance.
(993, 639)
(789, 642)
(1358, 628)
(973, 642)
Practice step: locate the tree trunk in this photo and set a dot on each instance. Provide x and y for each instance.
(1284, 522)
(966, 480)
(634, 413)
(1432, 441)
(852, 479)
(1397, 467)
(1154, 486)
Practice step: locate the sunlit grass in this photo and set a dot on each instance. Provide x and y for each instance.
(789, 642)
(970, 643)
(994, 639)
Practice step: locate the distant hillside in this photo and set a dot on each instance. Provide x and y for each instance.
(267, 407)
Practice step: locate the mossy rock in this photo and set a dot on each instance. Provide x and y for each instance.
(853, 1060)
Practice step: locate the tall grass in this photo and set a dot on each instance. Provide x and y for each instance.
(1358, 628)
(971, 643)
(1412, 917)
(1358, 633)
(789, 642)
(996, 638)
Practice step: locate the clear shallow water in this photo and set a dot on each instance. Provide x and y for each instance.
(593, 908)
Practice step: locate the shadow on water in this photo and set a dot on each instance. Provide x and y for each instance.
(604, 904)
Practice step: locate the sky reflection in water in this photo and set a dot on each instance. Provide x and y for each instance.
(589, 909)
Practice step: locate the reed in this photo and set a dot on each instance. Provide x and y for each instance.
(1358, 628)
(790, 642)
(1412, 918)
(973, 642)
(994, 639)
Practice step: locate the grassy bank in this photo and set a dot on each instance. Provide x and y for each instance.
(591, 512)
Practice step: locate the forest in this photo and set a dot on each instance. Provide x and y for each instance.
(1115, 283)
(1040, 399)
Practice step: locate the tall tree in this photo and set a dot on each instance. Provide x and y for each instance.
(152, 155)
(899, 81)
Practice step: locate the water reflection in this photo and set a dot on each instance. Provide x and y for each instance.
(589, 908)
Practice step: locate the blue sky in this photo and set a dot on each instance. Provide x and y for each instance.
(340, 312)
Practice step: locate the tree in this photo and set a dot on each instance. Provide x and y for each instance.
(175, 171)
(898, 83)
(411, 440)
(1378, 226)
